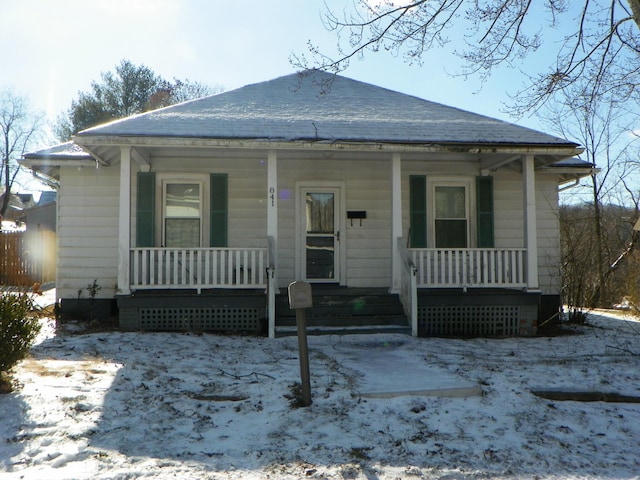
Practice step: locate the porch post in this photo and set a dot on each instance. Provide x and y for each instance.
(124, 221)
(396, 221)
(530, 219)
(272, 231)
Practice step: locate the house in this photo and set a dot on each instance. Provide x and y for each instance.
(199, 215)
(42, 215)
(18, 202)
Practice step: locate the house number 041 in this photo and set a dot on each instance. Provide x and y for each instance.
(272, 196)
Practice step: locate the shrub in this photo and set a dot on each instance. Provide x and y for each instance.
(19, 326)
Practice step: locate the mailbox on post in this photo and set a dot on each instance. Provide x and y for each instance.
(300, 298)
(300, 295)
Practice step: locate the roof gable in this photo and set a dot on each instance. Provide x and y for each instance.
(301, 108)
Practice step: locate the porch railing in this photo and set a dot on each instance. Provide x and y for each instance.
(168, 268)
(470, 267)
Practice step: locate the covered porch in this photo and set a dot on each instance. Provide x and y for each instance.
(255, 270)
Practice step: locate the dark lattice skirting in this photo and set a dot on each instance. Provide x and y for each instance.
(202, 318)
(468, 320)
(221, 311)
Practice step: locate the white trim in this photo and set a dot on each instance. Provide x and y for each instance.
(396, 222)
(201, 214)
(470, 203)
(272, 231)
(339, 224)
(124, 221)
(563, 151)
(530, 219)
(272, 201)
(162, 178)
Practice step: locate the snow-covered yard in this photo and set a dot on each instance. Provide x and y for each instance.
(117, 405)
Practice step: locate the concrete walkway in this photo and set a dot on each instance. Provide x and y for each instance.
(384, 369)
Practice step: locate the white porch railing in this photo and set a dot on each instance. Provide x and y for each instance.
(470, 267)
(169, 268)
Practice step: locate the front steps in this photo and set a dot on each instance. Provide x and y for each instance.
(340, 310)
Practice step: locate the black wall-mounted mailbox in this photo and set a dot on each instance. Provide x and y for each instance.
(356, 214)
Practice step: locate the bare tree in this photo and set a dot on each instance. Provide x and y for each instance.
(600, 40)
(20, 128)
(597, 232)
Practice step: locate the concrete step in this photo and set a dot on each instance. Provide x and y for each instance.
(287, 331)
(338, 308)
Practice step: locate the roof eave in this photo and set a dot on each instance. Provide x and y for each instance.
(560, 150)
(569, 175)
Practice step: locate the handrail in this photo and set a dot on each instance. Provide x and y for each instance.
(408, 287)
(271, 252)
(272, 286)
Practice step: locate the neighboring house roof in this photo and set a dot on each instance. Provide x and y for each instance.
(48, 160)
(26, 199)
(67, 151)
(18, 202)
(47, 197)
(319, 106)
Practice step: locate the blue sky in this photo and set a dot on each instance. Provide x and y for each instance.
(57, 48)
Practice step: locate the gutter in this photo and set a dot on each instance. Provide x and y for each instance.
(478, 149)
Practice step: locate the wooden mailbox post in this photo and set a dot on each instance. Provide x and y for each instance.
(300, 298)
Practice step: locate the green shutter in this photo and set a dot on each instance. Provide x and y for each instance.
(145, 209)
(484, 207)
(218, 210)
(418, 211)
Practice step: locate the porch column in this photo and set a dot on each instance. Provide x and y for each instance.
(272, 231)
(530, 219)
(396, 221)
(124, 221)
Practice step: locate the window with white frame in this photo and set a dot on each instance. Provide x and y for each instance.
(451, 216)
(182, 214)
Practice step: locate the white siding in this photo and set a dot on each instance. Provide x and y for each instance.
(509, 229)
(548, 234)
(247, 196)
(87, 231)
(367, 186)
(508, 212)
(88, 214)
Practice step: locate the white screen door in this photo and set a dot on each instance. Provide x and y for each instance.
(321, 234)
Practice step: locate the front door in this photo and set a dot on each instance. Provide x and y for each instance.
(320, 222)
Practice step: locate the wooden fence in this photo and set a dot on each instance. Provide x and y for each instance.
(27, 258)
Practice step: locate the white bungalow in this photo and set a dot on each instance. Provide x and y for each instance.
(410, 213)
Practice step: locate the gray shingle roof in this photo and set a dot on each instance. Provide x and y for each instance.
(322, 107)
(67, 150)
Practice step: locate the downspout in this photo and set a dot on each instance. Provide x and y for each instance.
(575, 182)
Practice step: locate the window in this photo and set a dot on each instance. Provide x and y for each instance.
(191, 211)
(182, 215)
(451, 213)
(451, 217)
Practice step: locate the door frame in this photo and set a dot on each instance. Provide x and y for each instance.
(339, 222)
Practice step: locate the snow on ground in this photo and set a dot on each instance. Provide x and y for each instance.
(123, 405)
